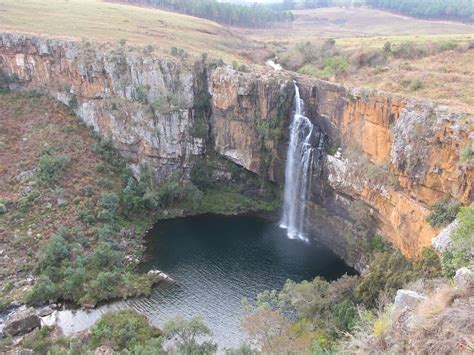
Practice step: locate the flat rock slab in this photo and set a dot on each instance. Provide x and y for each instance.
(22, 322)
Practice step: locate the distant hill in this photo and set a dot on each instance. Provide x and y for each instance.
(459, 10)
(232, 14)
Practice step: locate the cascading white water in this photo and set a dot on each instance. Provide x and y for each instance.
(299, 164)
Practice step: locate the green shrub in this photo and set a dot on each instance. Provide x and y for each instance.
(125, 329)
(105, 183)
(448, 46)
(107, 216)
(102, 168)
(376, 243)
(131, 204)
(106, 232)
(345, 315)
(32, 196)
(194, 196)
(43, 291)
(334, 148)
(39, 341)
(460, 251)
(372, 58)
(148, 50)
(105, 257)
(4, 83)
(106, 150)
(103, 287)
(71, 287)
(409, 50)
(54, 252)
(141, 94)
(72, 102)
(336, 63)
(388, 272)
(109, 201)
(467, 152)
(88, 191)
(429, 264)
(52, 168)
(85, 216)
(453, 260)
(168, 193)
(200, 174)
(416, 84)
(443, 213)
(310, 69)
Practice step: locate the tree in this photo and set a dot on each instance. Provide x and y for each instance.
(461, 10)
(269, 330)
(185, 333)
(126, 329)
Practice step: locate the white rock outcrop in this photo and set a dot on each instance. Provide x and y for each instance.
(443, 240)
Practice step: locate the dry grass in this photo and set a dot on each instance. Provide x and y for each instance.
(28, 126)
(102, 21)
(436, 303)
(447, 78)
(441, 324)
(361, 27)
(450, 330)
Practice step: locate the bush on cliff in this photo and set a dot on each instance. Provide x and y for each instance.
(443, 213)
(460, 251)
(390, 270)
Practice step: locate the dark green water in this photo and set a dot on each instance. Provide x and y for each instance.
(219, 260)
(216, 262)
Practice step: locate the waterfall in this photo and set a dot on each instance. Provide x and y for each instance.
(299, 163)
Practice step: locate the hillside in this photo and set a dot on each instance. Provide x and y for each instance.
(364, 23)
(95, 20)
(435, 55)
(55, 175)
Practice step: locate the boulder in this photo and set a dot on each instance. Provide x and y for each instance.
(464, 277)
(22, 322)
(443, 240)
(25, 175)
(45, 312)
(406, 299)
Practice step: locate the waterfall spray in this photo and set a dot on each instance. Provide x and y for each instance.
(299, 163)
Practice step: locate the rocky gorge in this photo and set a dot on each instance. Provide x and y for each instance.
(385, 160)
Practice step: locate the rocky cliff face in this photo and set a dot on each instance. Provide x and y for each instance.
(144, 105)
(397, 156)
